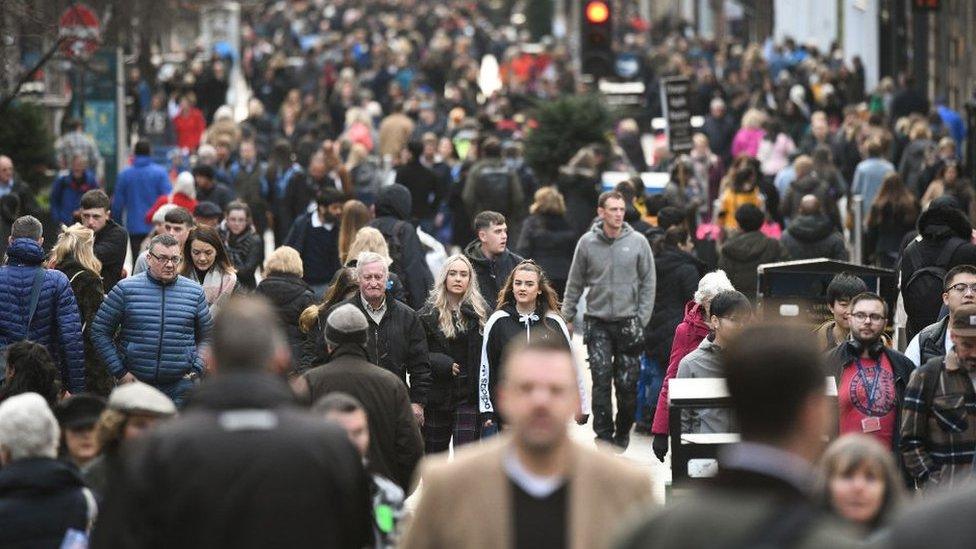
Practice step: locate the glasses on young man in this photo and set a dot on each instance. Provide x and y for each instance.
(962, 288)
(864, 317)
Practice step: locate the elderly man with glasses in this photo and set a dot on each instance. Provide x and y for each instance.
(871, 378)
(164, 320)
(934, 341)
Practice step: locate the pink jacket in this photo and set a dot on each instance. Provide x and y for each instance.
(689, 334)
(746, 141)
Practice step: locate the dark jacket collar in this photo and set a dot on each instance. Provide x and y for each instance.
(353, 350)
(38, 475)
(842, 356)
(241, 390)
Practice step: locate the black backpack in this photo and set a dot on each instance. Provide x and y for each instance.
(922, 293)
(395, 244)
(492, 190)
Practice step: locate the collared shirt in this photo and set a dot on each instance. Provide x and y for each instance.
(377, 313)
(769, 460)
(317, 222)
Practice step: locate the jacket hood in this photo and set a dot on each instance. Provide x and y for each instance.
(747, 246)
(807, 185)
(810, 228)
(394, 201)
(25, 251)
(282, 288)
(597, 228)
(229, 391)
(670, 258)
(38, 476)
(941, 222)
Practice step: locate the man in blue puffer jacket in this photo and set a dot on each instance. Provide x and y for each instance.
(56, 323)
(164, 320)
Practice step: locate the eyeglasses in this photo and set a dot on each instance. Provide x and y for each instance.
(864, 317)
(962, 287)
(175, 260)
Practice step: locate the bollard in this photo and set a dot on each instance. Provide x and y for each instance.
(857, 256)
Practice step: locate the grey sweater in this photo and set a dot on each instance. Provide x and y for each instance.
(619, 273)
(704, 362)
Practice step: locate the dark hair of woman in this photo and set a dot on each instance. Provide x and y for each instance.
(31, 370)
(894, 201)
(207, 235)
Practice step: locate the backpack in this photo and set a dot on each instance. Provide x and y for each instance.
(395, 244)
(922, 294)
(492, 189)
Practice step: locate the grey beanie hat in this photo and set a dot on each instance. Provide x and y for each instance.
(346, 324)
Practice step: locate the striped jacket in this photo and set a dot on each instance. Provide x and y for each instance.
(938, 429)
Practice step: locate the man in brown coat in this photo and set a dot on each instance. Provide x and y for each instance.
(397, 446)
(534, 486)
(394, 132)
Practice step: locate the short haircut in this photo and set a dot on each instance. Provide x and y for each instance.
(285, 260)
(329, 196)
(669, 216)
(368, 258)
(337, 402)
(869, 296)
(415, 148)
(203, 170)
(179, 215)
(491, 148)
(519, 346)
(607, 195)
(164, 240)
(142, 148)
(245, 334)
(749, 217)
(28, 428)
(238, 205)
(844, 287)
(95, 198)
(711, 285)
(728, 302)
(771, 371)
(958, 270)
(27, 226)
(486, 219)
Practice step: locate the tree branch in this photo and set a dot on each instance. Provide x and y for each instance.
(13, 93)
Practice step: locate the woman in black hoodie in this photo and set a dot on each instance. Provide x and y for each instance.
(547, 238)
(289, 294)
(453, 319)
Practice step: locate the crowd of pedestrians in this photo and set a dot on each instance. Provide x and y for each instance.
(426, 285)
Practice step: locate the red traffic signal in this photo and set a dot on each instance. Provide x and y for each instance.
(597, 12)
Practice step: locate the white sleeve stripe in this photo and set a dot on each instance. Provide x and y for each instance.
(484, 394)
(577, 362)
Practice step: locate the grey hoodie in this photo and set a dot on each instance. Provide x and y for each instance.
(619, 273)
(704, 362)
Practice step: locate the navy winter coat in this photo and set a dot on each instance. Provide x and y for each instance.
(40, 499)
(162, 327)
(56, 323)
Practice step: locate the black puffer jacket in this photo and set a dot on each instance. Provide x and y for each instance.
(678, 274)
(393, 206)
(549, 241)
(246, 252)
(491, 273)
(813, 236)
(448, 390)
(742, 253)
(290, 295)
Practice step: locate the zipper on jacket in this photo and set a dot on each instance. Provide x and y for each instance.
(162, 321)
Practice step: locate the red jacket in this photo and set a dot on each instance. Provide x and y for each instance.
(687, 336)
(189, 127)
(179, 199)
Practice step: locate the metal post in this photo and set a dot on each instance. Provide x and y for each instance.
(858, 229)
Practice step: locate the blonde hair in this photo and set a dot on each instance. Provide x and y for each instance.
(369, 239)
(548, 200)
(472, 296)
(753, 118)
(285, 260)
(76, 241)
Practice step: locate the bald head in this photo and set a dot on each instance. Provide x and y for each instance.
(6, 168)
(809, 205)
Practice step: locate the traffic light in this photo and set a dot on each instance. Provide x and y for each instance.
(596, 38)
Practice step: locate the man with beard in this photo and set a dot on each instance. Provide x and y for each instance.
(938, 433)
(315, 236)
(871, 378)
(934, 341)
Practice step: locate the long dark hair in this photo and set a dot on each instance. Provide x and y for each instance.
(672, 238)
(33, 372)
(894, 201)
(207, 235)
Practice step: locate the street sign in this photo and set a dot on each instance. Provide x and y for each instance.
(676, 104)
(80, 31)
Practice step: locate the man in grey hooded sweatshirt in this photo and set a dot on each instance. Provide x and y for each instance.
(616, 264)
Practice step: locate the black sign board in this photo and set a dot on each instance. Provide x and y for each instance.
(676, 102)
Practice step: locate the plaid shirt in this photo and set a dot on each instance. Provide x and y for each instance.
(938, 429)
(77, 144)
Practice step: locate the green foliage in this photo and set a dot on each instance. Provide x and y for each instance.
(565, 126)
(26, 139)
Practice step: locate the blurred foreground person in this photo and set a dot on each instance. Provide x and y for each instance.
(763, 494)
(242, 467)
(43, 501)
(533, 486)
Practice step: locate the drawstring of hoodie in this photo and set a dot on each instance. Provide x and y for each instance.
(528, 319)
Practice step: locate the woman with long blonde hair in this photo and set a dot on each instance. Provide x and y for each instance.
(74, 255)
(527, 307)
(453, 319)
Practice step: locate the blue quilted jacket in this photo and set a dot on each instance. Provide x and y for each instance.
(162, 328)
(56, 323)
